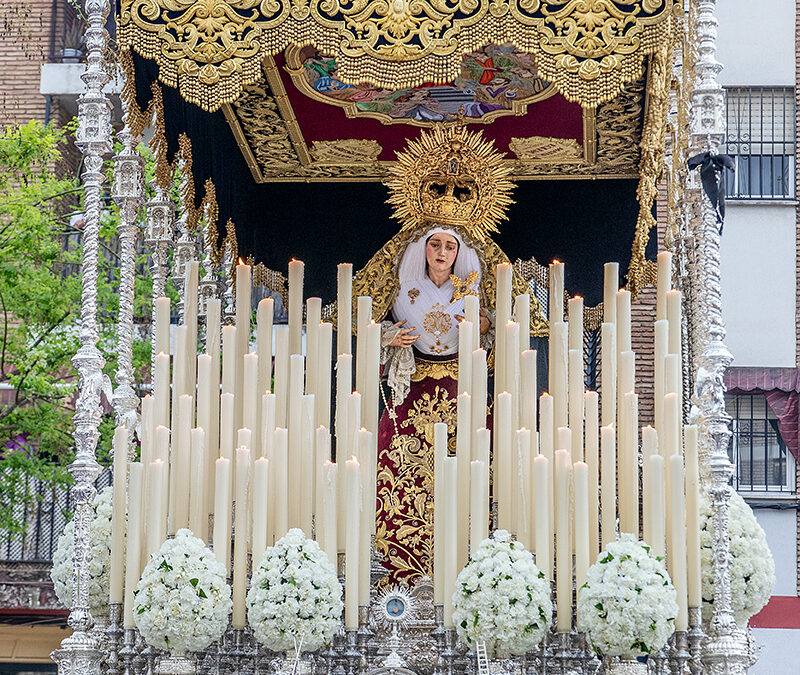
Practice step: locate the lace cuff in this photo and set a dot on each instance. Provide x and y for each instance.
(399, 361)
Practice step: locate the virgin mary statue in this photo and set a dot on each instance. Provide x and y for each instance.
(449, 189)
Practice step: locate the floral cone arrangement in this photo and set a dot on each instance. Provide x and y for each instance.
(502, 598)
(295, 599)
(628, 605)
(99, 557)
(182, 601)
(752, 567)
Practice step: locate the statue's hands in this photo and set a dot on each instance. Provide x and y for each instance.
(484, 319)
(404, 337)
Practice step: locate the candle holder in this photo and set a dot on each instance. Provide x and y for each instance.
(364, 634)
(352, 655)
(619, 665)
(128, 651)
(695, 637)
(438, 635)
(448, 653)
(177, 663)
(679, 656)
(114, 637)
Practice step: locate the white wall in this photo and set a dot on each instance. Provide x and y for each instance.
(779, 651)
(758, 283)
(756, 42)
(781, 530)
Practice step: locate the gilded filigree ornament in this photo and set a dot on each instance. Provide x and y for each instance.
(464, 287)
(546, 149)
(211, 49)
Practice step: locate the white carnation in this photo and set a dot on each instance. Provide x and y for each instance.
(182, 601)
(294, 593)
(501, 598)
(628, 605)
(752, 567)
(99, 557)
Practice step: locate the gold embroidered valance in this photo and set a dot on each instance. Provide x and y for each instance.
(211, 49)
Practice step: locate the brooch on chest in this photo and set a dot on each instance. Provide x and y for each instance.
(413, 294)
(437, 322)
(465, 287)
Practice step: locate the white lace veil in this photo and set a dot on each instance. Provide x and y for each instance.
(412, 266)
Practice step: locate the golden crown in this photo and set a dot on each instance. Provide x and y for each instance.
(451, 176)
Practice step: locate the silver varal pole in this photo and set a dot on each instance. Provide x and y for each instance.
(725, 649)
(80, 653)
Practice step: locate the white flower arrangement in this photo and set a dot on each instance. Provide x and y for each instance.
(182, 601)
(295, 599)
(502, 598)
(99, 558)
(628, 605)
(752, 567)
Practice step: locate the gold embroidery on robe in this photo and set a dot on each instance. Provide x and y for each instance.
(434, 369)
(405, 486)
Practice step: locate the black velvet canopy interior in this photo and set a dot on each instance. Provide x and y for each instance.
(583, 223)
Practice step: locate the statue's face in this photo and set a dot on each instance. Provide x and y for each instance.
(441, 251)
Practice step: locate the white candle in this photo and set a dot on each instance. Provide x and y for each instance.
(265, 315)
(558, 386)
(663, 283)
(511, 370)
(528, 388)
(363, 319)
(677, 535)
(238, 617)
(629, 465)
(661, 329)
(608, 373)
(593, 464)
(198, 511)
(502, 317)
(463, 457)
(229, 360)
(451, 568)
(296, 272)
(465, 349)
(366, 462)
(118, 513)
(656, 506)
(322, 455)
(610, 288)
(627, 374)
(521, 480)
(674, 318)
(479, 504)
(261, 513)
(649, 448)
(577, 390)
(575, 314)
(161, 332)
(306, 477)
(267, 423)
(323, 394)
(344, 308)
(213, 331)
(503, 463)
(608, 483)
(483, 443)
(161, 391)
(179, 369)
(328, 516)
(543, 544)
(439, 453)
(673, 382)
(547, 449)
(522, 316)
(479, 390)
(133, 557)
(623, 321)
(281, 375)
(244, 286)
(204, 415)
(222, 512)
(372, 365)
(353, 519)
(694, 586)
(344, 377)
(472, 313)
(155, 518)
(190, 307)
(581, 479)
(162, 453)
(563, 547)
(294, 420)
(250, 405)
(556, 292)
(226, 430)
(313, 320)
(180, 462)
(281, 482)
(670, 434)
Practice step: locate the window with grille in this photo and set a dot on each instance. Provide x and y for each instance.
(762, 461)
(761, 140)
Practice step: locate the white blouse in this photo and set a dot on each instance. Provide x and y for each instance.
(430, 309)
